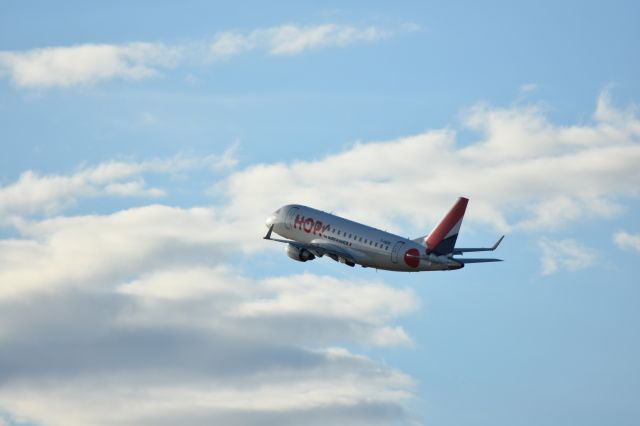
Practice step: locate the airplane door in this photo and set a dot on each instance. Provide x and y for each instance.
(396, 251)
(291, 214)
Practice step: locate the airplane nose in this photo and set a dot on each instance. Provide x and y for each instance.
(270, 221)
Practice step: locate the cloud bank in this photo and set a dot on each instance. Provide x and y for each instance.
(137, 318)
(523, 173)
(144, 305)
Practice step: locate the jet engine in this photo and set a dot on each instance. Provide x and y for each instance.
(299, 254)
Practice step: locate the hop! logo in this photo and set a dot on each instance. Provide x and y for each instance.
(309, 225)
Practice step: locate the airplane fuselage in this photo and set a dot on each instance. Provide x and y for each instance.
(360, 244)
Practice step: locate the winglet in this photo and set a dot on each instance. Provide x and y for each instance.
(495, 246)
(268, 236)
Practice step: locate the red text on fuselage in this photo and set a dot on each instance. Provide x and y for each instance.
(310, 226)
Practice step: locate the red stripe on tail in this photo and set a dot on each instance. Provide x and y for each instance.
(447, 223)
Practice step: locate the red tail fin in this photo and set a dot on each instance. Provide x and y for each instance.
(442, 239)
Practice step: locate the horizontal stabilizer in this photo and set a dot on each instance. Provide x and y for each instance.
(466, 250)
(476, 260)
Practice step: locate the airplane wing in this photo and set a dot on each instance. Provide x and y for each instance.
(320, 248)
(465, 250)
(420, 240)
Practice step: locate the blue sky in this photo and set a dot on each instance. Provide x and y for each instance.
(144, 145)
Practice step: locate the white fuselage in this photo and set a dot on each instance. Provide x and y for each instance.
(367, 246)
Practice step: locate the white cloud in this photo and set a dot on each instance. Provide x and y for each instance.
(293, 39)
(35, 194)
(559, 210)
(564, 254)
(142, 305)
(329, 297)
(103, 247)
(528, 87)
(412, 27)
(627, 241)
(227, 160)
(523, 173)
(160, 246)
(339, 389)
(86, 63)
(230, 43)
(139, 305)
(136, 188)
(218, 297)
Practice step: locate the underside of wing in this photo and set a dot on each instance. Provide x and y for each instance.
(320, 248)
(330, 248)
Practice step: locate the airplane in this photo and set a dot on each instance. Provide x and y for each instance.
(312, 233)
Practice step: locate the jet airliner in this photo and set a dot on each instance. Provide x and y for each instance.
(312, 233)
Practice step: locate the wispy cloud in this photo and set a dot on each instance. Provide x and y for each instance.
(86, 63)
(564, 254)
(627, 241)
(36, 194)
(293, 39)
(528, 87)
(135, 188)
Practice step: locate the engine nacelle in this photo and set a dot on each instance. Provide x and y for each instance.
(301, 255)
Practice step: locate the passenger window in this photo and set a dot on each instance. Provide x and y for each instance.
(338, 232)
(360, 239)
(376, 245)
(349, 235)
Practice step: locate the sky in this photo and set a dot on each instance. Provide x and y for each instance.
(145, 143)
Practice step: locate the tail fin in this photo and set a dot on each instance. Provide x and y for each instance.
(442, 239)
